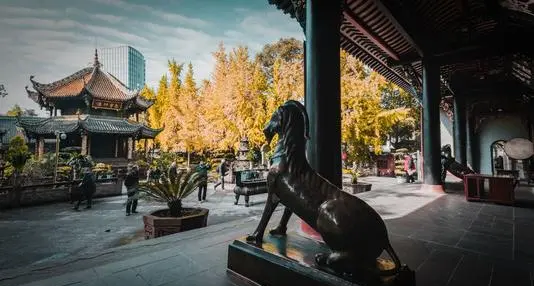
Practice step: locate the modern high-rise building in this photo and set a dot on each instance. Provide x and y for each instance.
(126, 64)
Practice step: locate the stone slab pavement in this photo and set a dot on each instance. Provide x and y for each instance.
(445, 239)
(92, 245)
(40, 234)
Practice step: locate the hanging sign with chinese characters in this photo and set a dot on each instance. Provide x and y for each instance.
(106, 104)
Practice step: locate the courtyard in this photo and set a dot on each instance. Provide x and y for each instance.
(444, 238)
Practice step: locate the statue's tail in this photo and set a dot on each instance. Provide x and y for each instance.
(391, 252)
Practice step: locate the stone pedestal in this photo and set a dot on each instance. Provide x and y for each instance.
(286, 260)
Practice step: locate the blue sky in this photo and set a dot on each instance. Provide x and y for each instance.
(54, 38)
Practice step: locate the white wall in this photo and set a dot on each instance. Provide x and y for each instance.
(493, 129)
(446, 128)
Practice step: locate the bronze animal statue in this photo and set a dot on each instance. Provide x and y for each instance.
(449, 163)
(353, 230)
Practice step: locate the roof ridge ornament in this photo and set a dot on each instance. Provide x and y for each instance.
(96, 63)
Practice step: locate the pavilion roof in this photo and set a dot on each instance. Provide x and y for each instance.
(89, 123)
(92, 81)
(8, 129)
(470, 39)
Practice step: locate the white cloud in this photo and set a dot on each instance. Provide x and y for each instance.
(58, 43)
(40, 23)
(23, 11)
(179, 19)
(108, 18)
(116, 33)
(167, 16)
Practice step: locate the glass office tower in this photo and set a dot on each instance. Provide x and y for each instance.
(126, 64)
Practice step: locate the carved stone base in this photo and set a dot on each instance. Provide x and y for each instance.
(291, 259)
(156, 226)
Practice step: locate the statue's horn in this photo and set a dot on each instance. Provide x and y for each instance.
(302, 109)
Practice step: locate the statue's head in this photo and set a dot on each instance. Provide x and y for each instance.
(290, 114)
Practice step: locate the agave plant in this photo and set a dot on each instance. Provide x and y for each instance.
(172, 189)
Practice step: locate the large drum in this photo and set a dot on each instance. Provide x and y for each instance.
(519, 148)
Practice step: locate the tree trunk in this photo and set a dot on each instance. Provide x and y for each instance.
(175, 207)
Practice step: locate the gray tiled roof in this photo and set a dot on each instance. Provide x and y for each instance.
(90, 123)
(8, 128)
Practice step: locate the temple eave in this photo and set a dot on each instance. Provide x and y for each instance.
(90, 124)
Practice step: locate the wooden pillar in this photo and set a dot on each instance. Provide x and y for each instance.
(322, 98)
(84, 144)
(470, 149)
(130, 148)
(146, 147)
(431, 125)
(89, 143)
(40, 147)
(116, 147)
(459, 130)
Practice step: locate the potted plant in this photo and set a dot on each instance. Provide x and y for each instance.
(358, 187)
(176, 218)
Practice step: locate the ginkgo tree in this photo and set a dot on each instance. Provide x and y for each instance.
(242, 92)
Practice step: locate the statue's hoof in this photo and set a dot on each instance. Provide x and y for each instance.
(321, 258)
(278, 231)
(254, 239)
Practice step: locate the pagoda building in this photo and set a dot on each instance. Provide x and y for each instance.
(93, 109)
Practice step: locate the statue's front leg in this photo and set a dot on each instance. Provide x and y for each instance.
(282, 226)
(270, 206)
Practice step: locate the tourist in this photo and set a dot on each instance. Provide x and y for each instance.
(173, 171)
(221, 170)
(87, 188)
(409, 168)
(202, 170)
(132, 184)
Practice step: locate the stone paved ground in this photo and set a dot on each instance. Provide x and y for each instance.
(49, 235)
(445, 239)
(36, 235)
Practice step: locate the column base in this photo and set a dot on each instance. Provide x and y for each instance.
(433, 188)
(307, 231)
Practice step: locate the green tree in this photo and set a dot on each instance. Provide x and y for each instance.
(3, 91)
(287, 49)
(16, 110)
(364, 120)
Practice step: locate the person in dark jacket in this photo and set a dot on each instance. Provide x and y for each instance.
(173, 171)
(221, 170)
(202, 170)
(87, 188)
(131, 182)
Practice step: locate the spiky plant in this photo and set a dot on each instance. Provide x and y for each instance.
(172, 189)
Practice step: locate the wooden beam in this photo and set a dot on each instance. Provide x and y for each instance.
(366, 51)
(361, 26)
(399, 27)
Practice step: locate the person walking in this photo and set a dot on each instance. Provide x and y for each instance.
(87, 188)
(132, 184)
(173, 171)
(409, 168)
(221, 170)
(202, 170)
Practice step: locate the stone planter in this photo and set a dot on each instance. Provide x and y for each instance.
(360, 187)
(157, 225)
